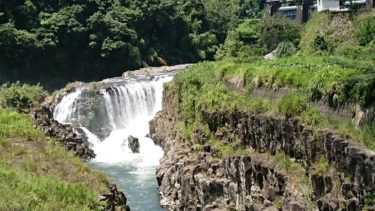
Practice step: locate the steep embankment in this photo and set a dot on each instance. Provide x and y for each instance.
(230, 147)
(36, 173)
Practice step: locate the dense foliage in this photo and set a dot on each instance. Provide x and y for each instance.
(256, 37)
(20, 97)
(52, 40)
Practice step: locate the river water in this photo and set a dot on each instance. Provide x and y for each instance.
(123, 107)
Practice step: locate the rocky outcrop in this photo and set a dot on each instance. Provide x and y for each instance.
(64, 134)
(114, 199)
(364, 116)
(191, 178)
(353, 163)
(199, 182)
(133, 144)
(155, 70)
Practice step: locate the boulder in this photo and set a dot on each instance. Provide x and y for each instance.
(133, 144)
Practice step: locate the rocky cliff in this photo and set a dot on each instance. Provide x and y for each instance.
(195, 178)
(43, 119)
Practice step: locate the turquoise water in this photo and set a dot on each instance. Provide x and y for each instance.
(139, 184)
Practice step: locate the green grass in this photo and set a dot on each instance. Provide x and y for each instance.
(335, 79)
(321, 166)
(36, 173)
(22, 191)
(15, 125)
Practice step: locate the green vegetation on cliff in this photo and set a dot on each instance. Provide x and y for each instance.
(343, 77)
(306, 109)
(36, 173)
(206, 87)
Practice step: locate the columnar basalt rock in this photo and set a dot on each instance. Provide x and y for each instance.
(43, 119)
(114, 199)
(271, 134)
(196, 181)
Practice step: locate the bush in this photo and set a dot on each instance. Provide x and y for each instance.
(231, 46)
(286, 49)
(366, 30)
(249, 31)
(242, 42)
(20, 97)
(320, 44)
(277, 29)
(292, 105)
(361, 87)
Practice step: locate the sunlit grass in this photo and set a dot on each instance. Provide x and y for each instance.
(36, 173)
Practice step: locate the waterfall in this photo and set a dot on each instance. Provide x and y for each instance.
(121, 108)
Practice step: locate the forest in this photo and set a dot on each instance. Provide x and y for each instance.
(53, 42)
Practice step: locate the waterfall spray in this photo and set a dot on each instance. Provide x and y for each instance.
(127, 107)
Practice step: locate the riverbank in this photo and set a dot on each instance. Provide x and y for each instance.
(36, 173)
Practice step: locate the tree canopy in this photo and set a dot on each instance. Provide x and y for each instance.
(93, 39)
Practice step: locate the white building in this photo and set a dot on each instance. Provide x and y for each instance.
(331, 5)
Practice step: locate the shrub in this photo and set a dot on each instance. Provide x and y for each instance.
(230, 47)
(370, 199)
(366, 30)
(286, 49)
(361, 87)
(320, 44)
(242, 42)
(20, 97)
(292, 105)
(249, 31)
(277, 29)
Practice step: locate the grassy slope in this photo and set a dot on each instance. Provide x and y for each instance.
(340, 75)
(38, 174)
(338, 29)
(204, 87)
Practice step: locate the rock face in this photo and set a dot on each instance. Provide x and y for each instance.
(364, 116)
(114, 199)
(191, 179)
(43, 119)
(155, 70)
(133, 144)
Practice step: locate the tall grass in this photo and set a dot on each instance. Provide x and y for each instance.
(36, 173)
(16, 125)
(204, 88)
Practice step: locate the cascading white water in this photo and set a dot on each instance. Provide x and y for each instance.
(65, 110)
(128, 106)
